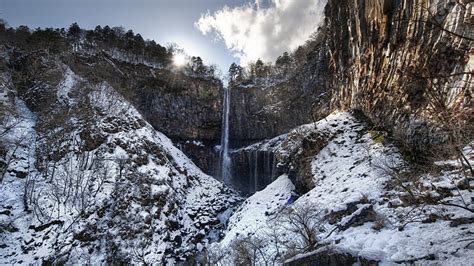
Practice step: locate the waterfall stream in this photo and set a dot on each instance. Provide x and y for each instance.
(225, 158)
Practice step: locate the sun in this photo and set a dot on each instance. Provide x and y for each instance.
(179, 60)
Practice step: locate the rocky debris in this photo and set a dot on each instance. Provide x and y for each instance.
(460, 221)
(296, 156)
(88, 234)
(335, 216)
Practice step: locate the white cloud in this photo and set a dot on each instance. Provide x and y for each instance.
(254, 31)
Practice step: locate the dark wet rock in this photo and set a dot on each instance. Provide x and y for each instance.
(18, 173)
(362, 215)
(5, 212)
(335, 216)
(46, 225)
(327, 256)
(460, 221)
(88, 234)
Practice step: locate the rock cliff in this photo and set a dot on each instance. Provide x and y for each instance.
(407, 65)
(263, 111)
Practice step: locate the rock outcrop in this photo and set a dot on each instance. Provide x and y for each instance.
(181, 106)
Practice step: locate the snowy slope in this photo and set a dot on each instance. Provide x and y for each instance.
(102, 185)
(254, 212)
(358, 211)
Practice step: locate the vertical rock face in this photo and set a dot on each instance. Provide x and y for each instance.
(191, 110)
(404, 64)
(267, 110)
(407, 65)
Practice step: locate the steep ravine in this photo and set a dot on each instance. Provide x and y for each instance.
(87, 179)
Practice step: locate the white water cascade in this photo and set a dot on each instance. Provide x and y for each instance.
(224, 156)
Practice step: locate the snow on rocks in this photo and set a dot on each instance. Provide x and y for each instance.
(255, 211)
(115, 191)
(362, 214)
(66, 85)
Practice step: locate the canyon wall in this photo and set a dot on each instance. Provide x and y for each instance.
(181, 106)
(406, 64)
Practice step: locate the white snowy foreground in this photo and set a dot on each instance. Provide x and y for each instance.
(351, 176)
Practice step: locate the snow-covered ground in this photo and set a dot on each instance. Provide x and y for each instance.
(360, 213)
(102, 186)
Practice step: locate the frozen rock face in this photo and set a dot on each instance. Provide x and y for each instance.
(88, 180)
(404, 64)
(255, 166)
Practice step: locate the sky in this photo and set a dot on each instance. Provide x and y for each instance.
(220, 31)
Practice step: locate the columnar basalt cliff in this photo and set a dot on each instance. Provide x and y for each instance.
(408, 65)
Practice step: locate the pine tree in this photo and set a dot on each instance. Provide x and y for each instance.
(235, 73)
(284, 63)
(197, 66)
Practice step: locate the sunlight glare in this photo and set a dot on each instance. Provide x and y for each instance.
(179, 60)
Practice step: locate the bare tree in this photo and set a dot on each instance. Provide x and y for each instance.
(249, 251)
(304, 223)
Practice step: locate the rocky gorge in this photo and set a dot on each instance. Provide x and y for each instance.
(385, 87)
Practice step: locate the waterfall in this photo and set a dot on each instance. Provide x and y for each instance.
(255, 172)
(225, 158)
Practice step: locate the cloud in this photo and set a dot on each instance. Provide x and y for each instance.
(262, 31)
